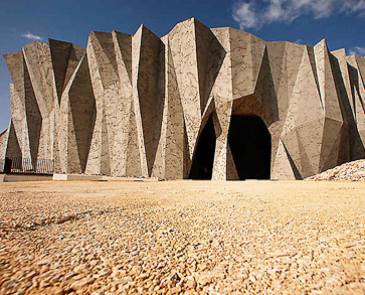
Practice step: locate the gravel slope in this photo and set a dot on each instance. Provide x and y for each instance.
(354, 171)
(169, 237)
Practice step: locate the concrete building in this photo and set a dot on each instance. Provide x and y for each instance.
(197, 103)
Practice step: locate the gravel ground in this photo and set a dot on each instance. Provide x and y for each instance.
(184, 236)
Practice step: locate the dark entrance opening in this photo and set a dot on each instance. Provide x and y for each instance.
(7, 165)
(202, 164)
(250, 143)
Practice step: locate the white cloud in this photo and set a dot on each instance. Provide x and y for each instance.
(355, 6)
(245, 15)
(32, 37)
(357, 50)
(254, 14)
(275, 11)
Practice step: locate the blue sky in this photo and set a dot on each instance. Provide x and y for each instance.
(305, 21)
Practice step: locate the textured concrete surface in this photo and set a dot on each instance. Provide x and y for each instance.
(143, 106)
(282, 237)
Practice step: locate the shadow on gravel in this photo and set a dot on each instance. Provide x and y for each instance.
(58, 220)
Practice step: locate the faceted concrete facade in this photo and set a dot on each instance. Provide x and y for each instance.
(138, 105)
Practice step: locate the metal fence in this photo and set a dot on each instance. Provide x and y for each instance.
(26, 166)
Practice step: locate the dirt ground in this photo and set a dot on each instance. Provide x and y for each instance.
(182, 236)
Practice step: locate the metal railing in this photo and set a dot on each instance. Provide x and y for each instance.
(26, 166)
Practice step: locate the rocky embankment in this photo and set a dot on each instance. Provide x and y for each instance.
(354, 171)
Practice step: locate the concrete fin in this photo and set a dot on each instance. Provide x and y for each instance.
(15, 64)
(231, 169)
(33, 117)
(312, 58)
(330, 150)
(283, 167)
(12, 147)
(150, 85)
(83, 111)
(265, 92)
(105, 40)
(174, 152)
(105, 165)
(76, 54)
(293, 165)
(60, 53)
(38, 60)
(209, 55)
(123, 48)
(133, 152)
